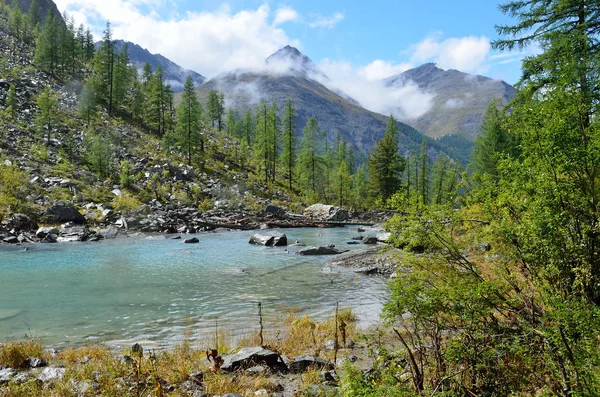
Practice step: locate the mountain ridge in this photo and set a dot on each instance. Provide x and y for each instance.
(460, 100)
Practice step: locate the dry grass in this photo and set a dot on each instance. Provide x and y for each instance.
(14, 354)
(114, 377)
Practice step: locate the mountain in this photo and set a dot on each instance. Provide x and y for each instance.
(460, 99)
(45, 6)
(174, 74)
(294, 77)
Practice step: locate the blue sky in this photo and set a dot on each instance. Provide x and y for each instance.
(356, 43)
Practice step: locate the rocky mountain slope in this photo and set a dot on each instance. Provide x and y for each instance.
(460, 99)
(290, 74)
(174, 74)
(45, 6)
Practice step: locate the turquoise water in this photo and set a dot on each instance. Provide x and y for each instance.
(155, 290)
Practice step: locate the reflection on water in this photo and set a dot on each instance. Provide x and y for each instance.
(155, 290)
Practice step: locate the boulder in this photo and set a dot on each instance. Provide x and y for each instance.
(73, 234)
(370, 240)
(252, 356)
(34, 362)
(383, 237)
(323, 250)
(42, 232)
(269, 239)
(327, 213)
(6, 374)
(303, 363)
(51, 373)
(192, 240)
(273, 209)
(21, 222)
(11, 240)
(62, 213)
(110, 233)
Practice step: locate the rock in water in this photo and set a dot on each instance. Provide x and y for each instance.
(328, 213)
(323, 250)
(62, 213)
(192, 240)
(269, 239)
(252, 356)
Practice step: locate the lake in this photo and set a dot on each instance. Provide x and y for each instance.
(156, 290)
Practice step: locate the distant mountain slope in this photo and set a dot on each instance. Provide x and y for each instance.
(362, 128)
(460, 102)
(174, 74)
(45, 7)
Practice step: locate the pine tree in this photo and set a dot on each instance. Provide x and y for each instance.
(104, 68)
(385, 164)
(48, 114)
(231, 123)
(216, 109)
(16, 21)
(424, 170)
(87, 103)
(47, 52)
(146, 74)
(249, 129)
(491, 144)
(12, 103)
(189, 120)
(288, 156)
(274, 136)
(261, 143)
(99, 153)
(310, 162)
(122, 78)
(360, 187)
(33, 15)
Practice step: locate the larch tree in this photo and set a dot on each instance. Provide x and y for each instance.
(288, 155)
(189, 113)
(385, 164)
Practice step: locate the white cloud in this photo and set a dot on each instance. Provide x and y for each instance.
(405, 102)
(285, 14)
(207, 42)
(467, 54)
(326, 22)
(379, 70)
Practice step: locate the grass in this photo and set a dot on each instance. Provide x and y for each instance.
(162, 373)
(13, 355)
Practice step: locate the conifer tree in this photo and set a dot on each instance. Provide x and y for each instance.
(424, 170)
(310, 162)
(122, 77)
(274, 136)
(262, 144)
(104, 69)
(16, 21)
(12, 104)
(288, 156)
(87, 103)
(216, 109)
(48, 116)
(47, 54)
(249, 128)
(231, 123)
(33, 15)
(189, 115)
(385, 164)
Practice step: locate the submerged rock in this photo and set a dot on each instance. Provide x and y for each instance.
(323, 250)
(269, 239)
(192, 240)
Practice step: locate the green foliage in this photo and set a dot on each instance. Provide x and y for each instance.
(14, 189)
(216, 109)
(310, 160)
(188, 133)
(99, 153)
(12, 104)
(48, 116)
(126, 178)
(385, 164)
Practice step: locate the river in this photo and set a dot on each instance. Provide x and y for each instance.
(155, 290)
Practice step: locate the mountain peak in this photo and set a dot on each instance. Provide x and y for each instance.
(290, 60)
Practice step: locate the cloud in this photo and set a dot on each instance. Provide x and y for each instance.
(467, 54)
(285, 14)
(379, 69)
(362, 83)
(208, 42)
(326, 22)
